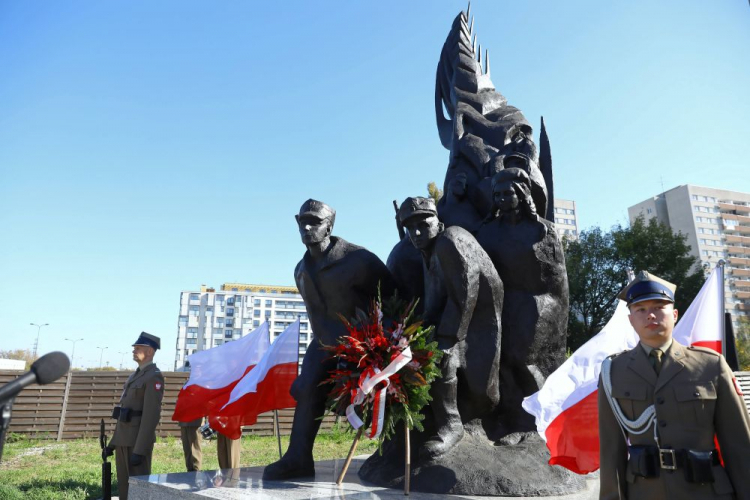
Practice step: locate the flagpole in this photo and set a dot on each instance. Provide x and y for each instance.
(721, 264)
(278, 431)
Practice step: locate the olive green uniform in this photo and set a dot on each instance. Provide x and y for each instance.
(695, 398)
(142, 394)
(228, 451)
(191, 444)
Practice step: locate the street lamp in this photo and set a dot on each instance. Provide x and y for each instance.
(101, 355)
(122, 358)
(73, 354)
(38, 329)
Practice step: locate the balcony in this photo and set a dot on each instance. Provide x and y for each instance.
(742, 295)
(733, 238)
(738, 261)
(739, 250)
(742, 307)
(740, 209)
(739, 272)
(742, 284)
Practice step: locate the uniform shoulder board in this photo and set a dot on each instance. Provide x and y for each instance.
(613, 356)
(706, 350)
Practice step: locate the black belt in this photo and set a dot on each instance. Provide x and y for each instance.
(673, 459)
(648, 461)
(125, 414)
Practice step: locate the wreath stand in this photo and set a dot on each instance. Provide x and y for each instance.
(353, 448)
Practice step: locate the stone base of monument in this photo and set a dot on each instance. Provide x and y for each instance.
(476, 466)
(247, 483)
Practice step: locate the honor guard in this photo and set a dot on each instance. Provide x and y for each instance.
(137, 415)
(663, 407)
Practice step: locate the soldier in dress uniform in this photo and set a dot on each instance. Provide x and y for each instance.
(190, 436)
(660, 406)
(137, 415)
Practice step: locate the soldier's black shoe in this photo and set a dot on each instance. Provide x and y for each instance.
(286, 469)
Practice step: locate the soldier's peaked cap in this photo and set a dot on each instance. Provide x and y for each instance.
(316, 208)
(417, 206)
(646, 286)
(148, 340)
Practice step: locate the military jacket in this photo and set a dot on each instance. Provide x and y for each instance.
(695, 398)
(143, 392)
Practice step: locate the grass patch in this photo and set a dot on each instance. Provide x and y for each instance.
(71, 470)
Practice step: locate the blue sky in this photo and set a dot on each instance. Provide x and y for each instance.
(149, 147)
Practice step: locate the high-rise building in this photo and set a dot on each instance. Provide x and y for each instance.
(717, 225)
(209, 318)
(566, 219)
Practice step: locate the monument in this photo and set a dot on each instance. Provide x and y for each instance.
(508, 262)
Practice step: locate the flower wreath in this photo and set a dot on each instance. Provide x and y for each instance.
(383, 373)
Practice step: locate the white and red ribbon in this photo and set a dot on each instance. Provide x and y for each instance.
(369, 379)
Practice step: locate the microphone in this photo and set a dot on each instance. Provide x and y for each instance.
(44, 370)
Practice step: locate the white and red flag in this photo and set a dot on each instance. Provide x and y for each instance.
(566, 411)
(265, 388)
(703, 323)
(566, 407)
(215, 372)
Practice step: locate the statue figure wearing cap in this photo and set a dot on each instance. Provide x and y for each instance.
(334, 277)
(662, 407)
(463, 299)
(137, 415)
(528, 256)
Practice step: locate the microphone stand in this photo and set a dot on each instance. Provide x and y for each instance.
(6, 407)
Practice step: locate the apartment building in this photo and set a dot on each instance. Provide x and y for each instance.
(717, 225)
(211, 317)
(566, 219)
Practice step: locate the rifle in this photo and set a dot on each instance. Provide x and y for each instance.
(106, 466)
(401, 232)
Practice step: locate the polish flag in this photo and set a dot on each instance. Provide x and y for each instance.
(215, 372)
(566, 411)
(703, 323)
(267, 387)
(565, 408)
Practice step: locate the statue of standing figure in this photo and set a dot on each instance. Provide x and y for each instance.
(463, 299)
(334, 278)
(528, 256)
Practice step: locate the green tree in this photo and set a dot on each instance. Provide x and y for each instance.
(597, 263)
(434, 192)
(655, 248)
(742, 342)
(594, 277)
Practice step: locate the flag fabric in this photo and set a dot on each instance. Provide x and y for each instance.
(565, 409)
(266, 387)
(703, 323)
(215, 372)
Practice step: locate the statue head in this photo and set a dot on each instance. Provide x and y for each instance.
(511, 191)
(315, 221)
(419, 217)
(457, 185)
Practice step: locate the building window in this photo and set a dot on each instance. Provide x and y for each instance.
(219, 298)
(256, 302)
(269, 302)
(228, 334)
(218, 342)
(230, 311)
(256, 313)
(195, 296)
(191, 343)
(194, 310)
(229, 322)
(649, 211)
(256, 323)
(183, 321)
